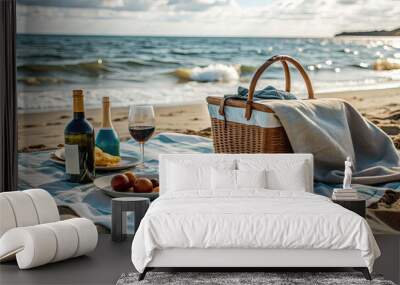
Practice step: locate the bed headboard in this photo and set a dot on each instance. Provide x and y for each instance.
(209, 159)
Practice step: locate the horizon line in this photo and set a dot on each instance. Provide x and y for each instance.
(173, 36)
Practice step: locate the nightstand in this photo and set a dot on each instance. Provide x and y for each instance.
(120, 206)
(357, 206)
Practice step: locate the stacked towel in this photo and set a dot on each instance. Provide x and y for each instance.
(344, 194)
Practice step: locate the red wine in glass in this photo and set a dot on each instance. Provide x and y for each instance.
(141, 133)
(141, 125)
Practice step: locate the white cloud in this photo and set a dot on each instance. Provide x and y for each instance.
(206, 17)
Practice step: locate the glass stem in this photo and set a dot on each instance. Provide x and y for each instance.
(142, 152)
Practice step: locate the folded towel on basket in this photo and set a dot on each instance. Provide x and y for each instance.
(268, 92)
(331, 129)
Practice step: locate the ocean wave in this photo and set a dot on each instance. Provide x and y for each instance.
(249, 69)
(362, 65)
(386, 64)
(134, 62)
(189, 52)
(90, 68)
(39, 81)
(185, 52)
(164, 61)
(211, 73)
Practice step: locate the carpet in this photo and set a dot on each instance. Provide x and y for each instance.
(243, 278)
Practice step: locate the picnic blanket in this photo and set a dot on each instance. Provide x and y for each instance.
(37, 171)
(331, 129)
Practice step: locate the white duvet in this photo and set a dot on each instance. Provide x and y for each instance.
(250, 219)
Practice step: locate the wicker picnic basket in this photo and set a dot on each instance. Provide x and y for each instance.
(235, 137)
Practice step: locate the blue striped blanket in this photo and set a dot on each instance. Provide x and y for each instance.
(37, 171)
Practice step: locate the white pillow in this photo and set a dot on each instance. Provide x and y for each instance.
(251, 178)
(294, 179)
(228, 179)
(184, 175)
(281, 174)
(223, 179)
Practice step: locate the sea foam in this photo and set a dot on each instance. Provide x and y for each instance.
(210, 73)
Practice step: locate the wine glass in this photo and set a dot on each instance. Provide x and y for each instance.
(141, 124)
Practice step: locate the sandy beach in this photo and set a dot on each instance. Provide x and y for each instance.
(39, 131)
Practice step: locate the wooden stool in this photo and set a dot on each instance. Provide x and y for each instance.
(120, 206)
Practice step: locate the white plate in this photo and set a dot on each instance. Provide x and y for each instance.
(126, 161)
(104, 184)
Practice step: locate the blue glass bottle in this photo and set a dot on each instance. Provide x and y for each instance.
(107, 138)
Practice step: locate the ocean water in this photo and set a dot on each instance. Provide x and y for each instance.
(160, 70)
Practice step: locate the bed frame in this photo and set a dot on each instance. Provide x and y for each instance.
(242, 259)
(259, 259)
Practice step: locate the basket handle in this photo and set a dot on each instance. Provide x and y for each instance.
(283, 59)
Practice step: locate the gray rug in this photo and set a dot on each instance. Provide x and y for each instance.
(243, 278)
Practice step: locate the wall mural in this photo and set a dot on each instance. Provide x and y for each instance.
(172, 56)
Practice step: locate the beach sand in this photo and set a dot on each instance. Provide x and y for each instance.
(39, 131)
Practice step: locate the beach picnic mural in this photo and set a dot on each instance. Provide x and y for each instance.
(351, 79)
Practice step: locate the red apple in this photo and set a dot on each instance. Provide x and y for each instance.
(143, 185)
(120, 183)
(131, 176)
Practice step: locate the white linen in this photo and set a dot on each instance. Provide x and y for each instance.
(254, 218)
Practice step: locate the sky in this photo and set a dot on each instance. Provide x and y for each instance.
(267, 18)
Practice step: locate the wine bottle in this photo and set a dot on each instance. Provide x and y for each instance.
(79, 144)
(107, 138)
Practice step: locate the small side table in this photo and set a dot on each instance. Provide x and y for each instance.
(357, 206)
(119, 207)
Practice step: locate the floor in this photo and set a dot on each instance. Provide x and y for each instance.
(111, 259)
(103, 266)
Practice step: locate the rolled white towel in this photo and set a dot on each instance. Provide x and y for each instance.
(40, 244)
(87, 235)
(26, 208)
(66, 238)
(7, 220)
(46, 207)
(32, 246)
(23, 208)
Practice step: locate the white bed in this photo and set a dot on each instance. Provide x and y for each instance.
(195, 223)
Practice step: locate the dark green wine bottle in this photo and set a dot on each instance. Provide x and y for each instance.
(79, 144)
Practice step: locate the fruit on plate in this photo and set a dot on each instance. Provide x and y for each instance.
(143, 185)
(156, 189)
(154, 182)
(131, 176)
(120, 183)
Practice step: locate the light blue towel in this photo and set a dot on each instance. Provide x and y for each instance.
(268, 92)
(331, 129)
